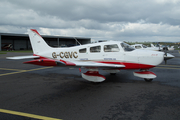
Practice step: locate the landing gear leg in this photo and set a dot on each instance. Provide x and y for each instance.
(148, 80)
(112, 73)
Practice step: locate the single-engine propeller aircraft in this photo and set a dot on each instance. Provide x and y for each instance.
(111, 56)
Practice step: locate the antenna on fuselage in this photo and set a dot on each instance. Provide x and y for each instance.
(77, 41)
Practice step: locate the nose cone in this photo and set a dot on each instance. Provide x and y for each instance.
(168, 56)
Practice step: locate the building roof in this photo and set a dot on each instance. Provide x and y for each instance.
(44, 36)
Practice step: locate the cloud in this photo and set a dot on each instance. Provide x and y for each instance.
(116, 19)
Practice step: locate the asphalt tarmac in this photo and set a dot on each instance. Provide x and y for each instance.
(29, 92)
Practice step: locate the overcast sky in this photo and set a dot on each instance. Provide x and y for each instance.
(125, 20)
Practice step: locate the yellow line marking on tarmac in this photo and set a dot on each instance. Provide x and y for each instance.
(21, 71)
(167, 67)
(179, 52)
(27, 115)
(170, 65)
(10, 69)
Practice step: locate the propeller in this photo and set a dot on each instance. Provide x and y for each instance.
(165, 62)
(165, 53)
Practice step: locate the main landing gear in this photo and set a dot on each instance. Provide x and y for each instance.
(147, 75)
(112, 73)
(148, 80)
(94, 76)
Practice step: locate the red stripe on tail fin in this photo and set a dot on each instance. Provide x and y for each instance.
(34, 30)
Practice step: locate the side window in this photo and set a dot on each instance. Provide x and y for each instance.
(82, 50)
(138, 47)
(144, 46)
(111, 48)
(95, 49)
(127, 47)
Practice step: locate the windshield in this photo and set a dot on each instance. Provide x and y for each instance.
(127, 47)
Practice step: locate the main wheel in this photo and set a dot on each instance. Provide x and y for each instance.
(148, 80)
(112, 73)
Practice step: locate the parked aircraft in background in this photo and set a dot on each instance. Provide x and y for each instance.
(7, 47)
(167, 56)
(111, 56)
(155, 48)
(171, 48)
(163, 47)
(141, 46)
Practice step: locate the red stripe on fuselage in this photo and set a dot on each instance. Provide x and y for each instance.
(68, 63)
(127, 65)
(42, 62)
(44, 58)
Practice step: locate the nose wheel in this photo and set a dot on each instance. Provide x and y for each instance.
(148, 80)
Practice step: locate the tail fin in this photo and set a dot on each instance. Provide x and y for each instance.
(37, 42)
(152, 45)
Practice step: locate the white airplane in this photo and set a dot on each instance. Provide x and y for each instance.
(141, 46)
(167, 56)
(161, 48)
(111, 56)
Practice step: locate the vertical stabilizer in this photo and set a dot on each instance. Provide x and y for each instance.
(152, 45)
(37, 42)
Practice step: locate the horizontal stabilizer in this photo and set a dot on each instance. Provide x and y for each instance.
(22, 57)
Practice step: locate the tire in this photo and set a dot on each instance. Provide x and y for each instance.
(165, 48)
(112, 73)
(148, 80)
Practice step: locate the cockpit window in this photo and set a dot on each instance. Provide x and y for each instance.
(95, 49)
(127, 47)
(111, 48)
(144, 46)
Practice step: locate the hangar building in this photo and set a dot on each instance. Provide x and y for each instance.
(22, 42)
